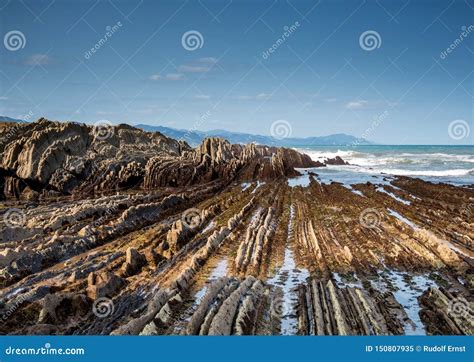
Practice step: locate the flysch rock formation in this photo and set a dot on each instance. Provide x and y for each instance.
(120, 231)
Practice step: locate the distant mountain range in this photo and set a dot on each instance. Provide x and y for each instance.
(194, 137)
(8, 119)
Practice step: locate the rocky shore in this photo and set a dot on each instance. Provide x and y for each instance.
(119, 231)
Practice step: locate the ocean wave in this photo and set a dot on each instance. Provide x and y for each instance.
(322, 155)
(425, 160)
(404, 172)
(441, 173)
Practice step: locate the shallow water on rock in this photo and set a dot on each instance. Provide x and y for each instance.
(406, 292)
(303, 181)
(403, 219)
(341, 283)
(288, 278)
(258, 185)
(220, 270)
(357, 192)
(392, 195)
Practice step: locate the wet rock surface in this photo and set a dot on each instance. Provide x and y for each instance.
(147, 236)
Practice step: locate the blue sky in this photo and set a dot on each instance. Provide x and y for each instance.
(319, 79)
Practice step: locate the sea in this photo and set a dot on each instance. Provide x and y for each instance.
(439, 164)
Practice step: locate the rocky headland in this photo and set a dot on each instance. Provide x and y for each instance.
(114, 230)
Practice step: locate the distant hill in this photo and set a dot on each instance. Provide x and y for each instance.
(195, 137)
(12, 120)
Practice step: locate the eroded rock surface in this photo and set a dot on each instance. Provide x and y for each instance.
(140, 234)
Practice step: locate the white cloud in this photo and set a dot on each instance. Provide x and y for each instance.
(358, 104)
(208, 60)
(202, 96)
(192, 69)
(169, 76)
(259, 96)
(3, 98)
(38, 59)
(244, 98)
(263, 96)
(174, 76)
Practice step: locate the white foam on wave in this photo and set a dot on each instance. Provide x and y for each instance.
(387, 159)
(455, 168)
(401, 172)
(443, 173)
(327, 154)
